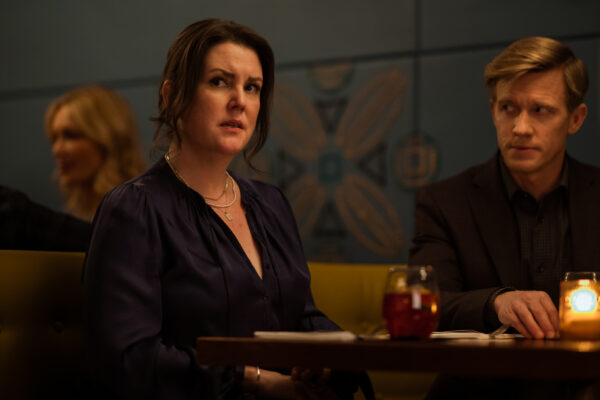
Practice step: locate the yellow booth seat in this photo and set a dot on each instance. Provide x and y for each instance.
(352, 296)
(41, 327)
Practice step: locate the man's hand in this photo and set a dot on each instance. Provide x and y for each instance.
(532, 313)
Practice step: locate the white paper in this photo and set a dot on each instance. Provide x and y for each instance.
(467, 334)
(343, 336)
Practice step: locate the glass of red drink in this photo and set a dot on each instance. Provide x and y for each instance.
(411, 303)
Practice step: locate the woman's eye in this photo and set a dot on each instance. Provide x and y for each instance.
(72, 135)
(217, 82)
(253, 88)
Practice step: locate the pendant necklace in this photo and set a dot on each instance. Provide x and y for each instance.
(228, 178)
(226, 205)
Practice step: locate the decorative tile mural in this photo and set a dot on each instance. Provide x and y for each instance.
(343, 151)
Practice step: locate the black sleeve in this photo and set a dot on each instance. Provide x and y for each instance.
(124, 310)
(344, 384)
(25, 225)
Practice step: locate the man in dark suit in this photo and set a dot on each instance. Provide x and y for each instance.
(500, 235)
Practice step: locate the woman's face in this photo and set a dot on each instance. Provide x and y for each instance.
(222, 116)
(78, 157)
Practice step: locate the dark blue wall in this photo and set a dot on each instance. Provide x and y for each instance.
(410, 70)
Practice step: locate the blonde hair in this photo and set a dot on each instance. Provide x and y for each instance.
(538, 54)
(104, 117)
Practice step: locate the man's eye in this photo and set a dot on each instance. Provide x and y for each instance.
(507, 107)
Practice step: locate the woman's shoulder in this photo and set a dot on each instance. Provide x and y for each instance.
(150, 186)
(260, 191)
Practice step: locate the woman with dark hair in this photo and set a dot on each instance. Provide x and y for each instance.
(189, 249)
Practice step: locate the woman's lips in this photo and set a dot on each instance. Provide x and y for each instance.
(65, 167)
(233, 123)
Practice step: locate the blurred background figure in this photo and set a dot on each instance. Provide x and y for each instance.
(27, 225)
(95, 141)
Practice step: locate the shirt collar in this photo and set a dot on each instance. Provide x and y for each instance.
(512, 187)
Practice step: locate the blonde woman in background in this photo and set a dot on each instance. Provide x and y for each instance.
(95, 141)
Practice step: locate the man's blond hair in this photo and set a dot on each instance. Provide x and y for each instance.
(538, 54)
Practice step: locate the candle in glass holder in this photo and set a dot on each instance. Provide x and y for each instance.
(579, 310)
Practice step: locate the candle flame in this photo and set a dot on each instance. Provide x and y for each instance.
(583, 300)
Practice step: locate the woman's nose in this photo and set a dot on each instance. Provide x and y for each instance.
(57, 146)
(238, 98)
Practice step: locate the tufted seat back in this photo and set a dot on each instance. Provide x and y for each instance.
(41, 328)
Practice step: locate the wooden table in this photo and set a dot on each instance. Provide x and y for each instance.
(519, 358)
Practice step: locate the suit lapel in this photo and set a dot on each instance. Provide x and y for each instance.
(584, 202)
(496, 224)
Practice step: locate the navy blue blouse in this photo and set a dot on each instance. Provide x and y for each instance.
(162, 269)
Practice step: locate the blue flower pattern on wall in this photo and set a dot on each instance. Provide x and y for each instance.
(340, 137)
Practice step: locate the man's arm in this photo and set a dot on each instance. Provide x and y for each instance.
(438, 242)
(472, 296)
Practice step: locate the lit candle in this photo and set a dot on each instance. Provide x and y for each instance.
(578, 309)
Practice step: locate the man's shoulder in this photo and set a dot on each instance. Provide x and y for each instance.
(581, 169)
(457, 184)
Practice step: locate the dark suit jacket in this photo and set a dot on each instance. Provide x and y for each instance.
(26, 225)
(466, 229)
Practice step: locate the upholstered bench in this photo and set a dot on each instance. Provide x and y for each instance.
(352, 296)
(41, 327)
(41, 330)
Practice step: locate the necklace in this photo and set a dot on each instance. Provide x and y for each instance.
(228, 178)
(226, 205)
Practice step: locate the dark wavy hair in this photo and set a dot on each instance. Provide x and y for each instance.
(184, 69)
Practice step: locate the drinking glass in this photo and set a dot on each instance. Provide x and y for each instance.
(411, 301)
(578, 310)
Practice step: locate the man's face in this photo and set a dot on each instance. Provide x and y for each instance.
(532, 123)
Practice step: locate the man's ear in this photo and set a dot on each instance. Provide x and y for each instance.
(492, 104)
(165, 90)
(576, 118)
